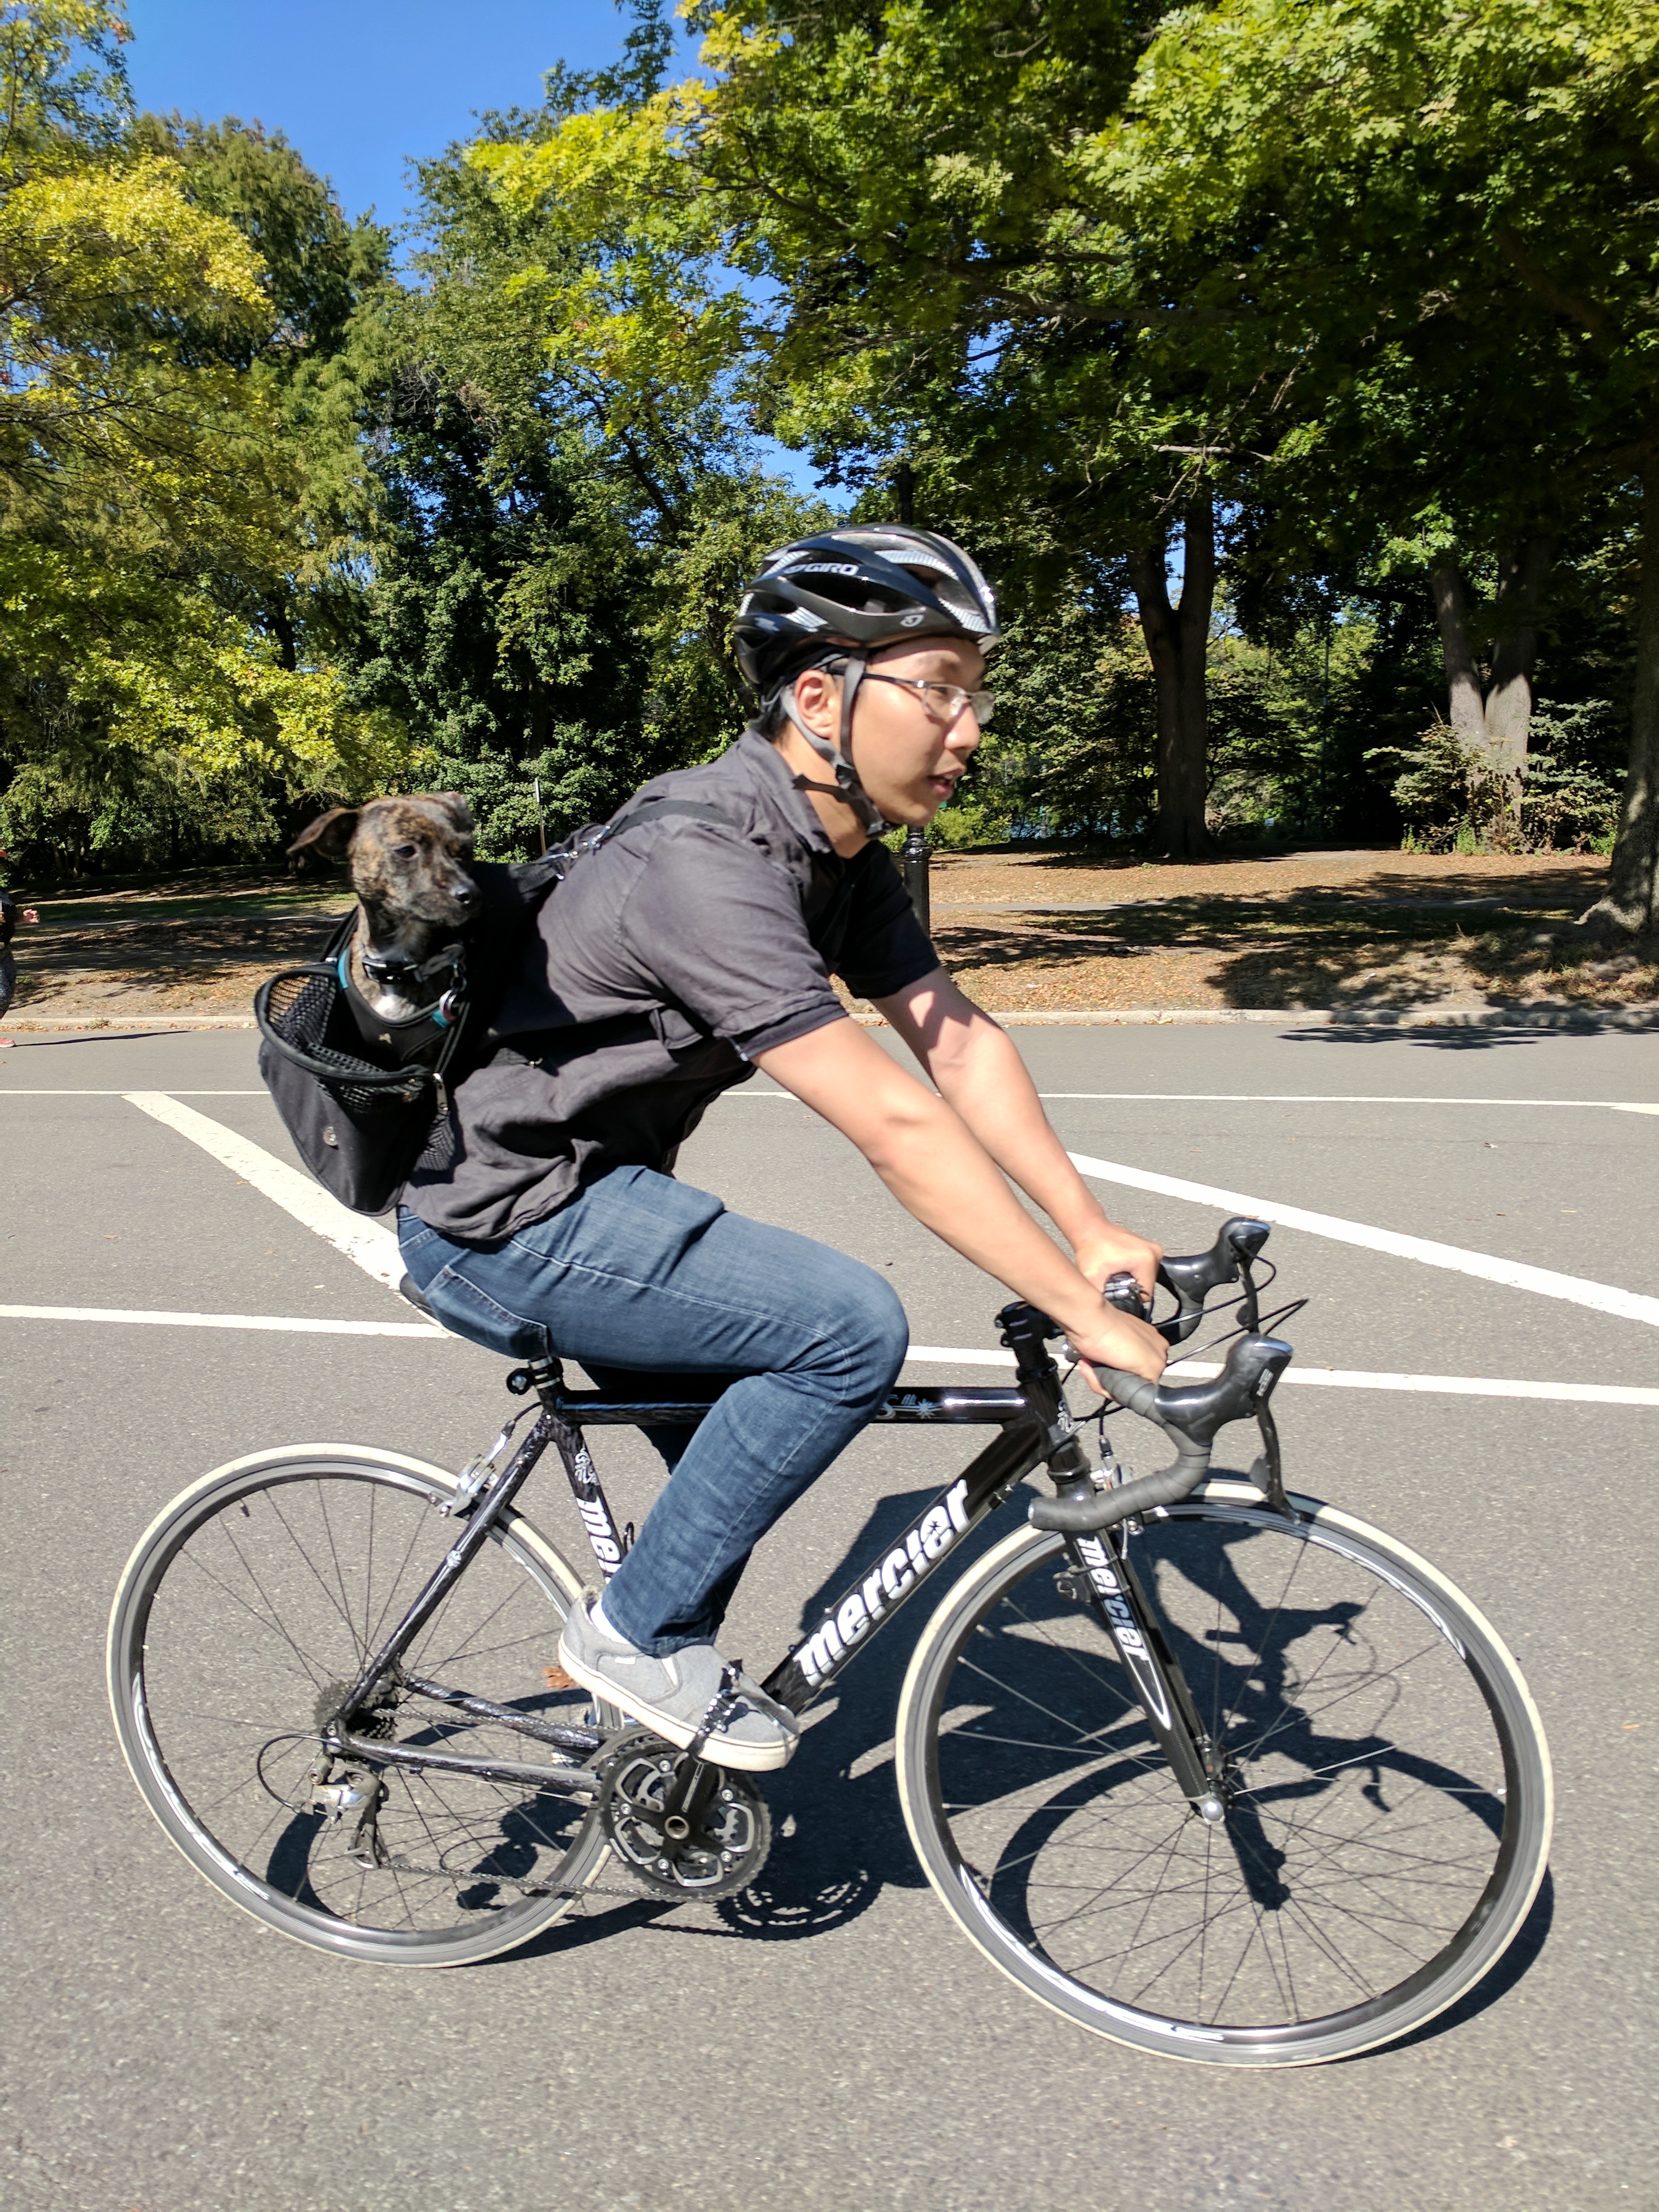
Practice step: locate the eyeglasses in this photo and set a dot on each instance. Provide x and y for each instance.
(953, 700)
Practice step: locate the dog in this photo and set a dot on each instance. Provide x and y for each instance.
(408, 859)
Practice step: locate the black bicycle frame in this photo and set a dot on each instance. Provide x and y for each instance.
(1034, 1427)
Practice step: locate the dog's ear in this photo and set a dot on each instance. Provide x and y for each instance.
(455, 807)
(329, 833)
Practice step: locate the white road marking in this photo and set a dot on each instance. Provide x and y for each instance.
(943, 1355)
(1342, 1378)
(283, 1323)
(1343, 1099)
(117, 1091)
(364, 1242)
(1279, 1099)
(1257, 1098)
(1601, 1297)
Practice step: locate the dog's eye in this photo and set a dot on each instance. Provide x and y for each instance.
(405, 852)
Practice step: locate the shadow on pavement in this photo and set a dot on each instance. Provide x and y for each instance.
(25, 1043)
(1449, 1038)
(1515, 1963)
(838, 1837)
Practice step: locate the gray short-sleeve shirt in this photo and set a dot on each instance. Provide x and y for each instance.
(654, 974)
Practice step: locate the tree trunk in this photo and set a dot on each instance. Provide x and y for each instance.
(1496, 719)
(1177, 639)
(1466, 707)
(1629, 903)
(282, 628)
(1523, 572)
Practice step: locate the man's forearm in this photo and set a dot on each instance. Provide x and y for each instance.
(934, 1165)
(941, 1173)
(979, 1071)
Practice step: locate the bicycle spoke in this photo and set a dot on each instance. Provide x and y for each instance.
(1358, 1838)
(268, 1601)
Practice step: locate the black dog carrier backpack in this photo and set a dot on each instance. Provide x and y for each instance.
(358, 1093)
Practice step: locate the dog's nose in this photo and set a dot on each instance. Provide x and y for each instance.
(466, 894)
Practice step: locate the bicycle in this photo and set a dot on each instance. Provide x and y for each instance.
(1209, 1767)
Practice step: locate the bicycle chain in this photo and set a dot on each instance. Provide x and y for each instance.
(630, 1741)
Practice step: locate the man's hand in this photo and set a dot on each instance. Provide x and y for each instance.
(1108, 1338)
(1110, 1250)
(28, 914)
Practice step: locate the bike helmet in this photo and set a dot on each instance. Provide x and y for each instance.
(832, 601)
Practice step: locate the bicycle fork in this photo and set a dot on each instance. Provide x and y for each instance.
(1103, 1573)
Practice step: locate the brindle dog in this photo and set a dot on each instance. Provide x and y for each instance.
(407, 859)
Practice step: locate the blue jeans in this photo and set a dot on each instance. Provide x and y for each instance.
(642, 1275)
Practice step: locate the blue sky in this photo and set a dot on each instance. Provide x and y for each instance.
(360, 86)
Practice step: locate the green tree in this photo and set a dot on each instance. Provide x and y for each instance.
(1382, 273)
(148, 492)
(571, 500)
(1457, 204)
(958, 291)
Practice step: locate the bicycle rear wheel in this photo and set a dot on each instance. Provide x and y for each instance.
(1389, 1802)
(248, 1606)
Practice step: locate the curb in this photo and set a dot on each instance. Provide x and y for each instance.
(1583, 1018)
(147, 1022)
(1524, 1017)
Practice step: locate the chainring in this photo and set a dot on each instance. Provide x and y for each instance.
(729, 1828)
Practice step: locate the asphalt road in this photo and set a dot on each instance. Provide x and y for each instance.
(829, 2041)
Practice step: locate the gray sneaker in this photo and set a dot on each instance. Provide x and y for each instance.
(674, 1695)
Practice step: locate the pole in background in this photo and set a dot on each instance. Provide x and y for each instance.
(904, 484)
(915, 877)
(541, 822)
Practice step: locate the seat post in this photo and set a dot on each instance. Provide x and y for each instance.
(547, 1380)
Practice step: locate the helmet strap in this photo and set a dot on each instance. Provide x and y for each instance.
(838, 755)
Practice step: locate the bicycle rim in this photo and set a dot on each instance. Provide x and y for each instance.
(263, 1589)
(1389, 1802)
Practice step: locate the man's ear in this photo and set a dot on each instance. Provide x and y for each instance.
(817, 700)
(329, 834)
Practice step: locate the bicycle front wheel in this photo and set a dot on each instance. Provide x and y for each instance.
(248, 1608)
(1389, 1798)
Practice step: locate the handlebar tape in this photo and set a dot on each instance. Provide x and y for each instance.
(1191, 1416)
(1105, 1509)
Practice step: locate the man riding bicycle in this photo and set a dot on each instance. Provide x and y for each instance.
(693, 947)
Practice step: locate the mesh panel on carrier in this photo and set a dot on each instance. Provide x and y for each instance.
(302, 1013)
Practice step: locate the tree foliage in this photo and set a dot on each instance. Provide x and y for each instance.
(152, 698)
(1289, 362)
(571, 501)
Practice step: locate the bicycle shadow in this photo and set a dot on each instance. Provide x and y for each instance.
(838, 1836)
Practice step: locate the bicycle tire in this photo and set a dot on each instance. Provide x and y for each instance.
(257, 1590)
(1365, 1878)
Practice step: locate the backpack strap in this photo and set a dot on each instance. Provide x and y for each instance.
(694, 809)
